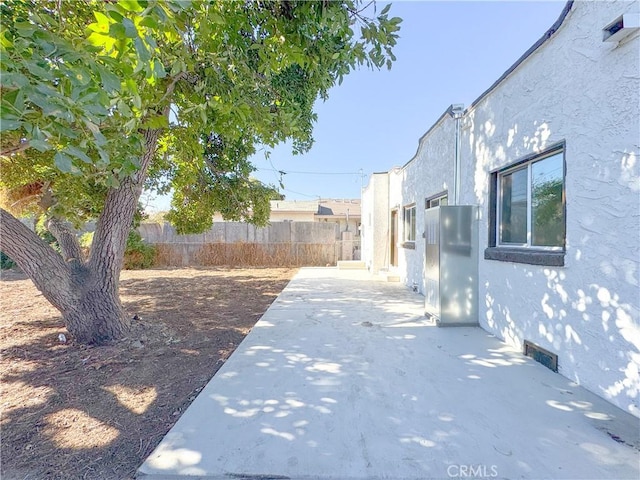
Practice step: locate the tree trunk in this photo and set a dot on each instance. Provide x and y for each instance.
(85, 292)
(90, 308)
(94, 313)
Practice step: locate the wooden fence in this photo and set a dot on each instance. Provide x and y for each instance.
(240, 244)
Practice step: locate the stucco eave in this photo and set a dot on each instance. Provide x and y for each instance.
(445, 114)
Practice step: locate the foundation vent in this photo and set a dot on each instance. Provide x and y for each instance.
(540, 355)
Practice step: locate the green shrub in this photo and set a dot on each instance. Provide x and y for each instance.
(5, 262)
(138, 255)
(46, 235)
(86, 239)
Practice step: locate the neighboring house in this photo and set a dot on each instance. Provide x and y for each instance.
(344, 213)
(293, 211)
(548, 156)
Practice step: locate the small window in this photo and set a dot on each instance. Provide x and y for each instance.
(531, 212)
(528, 208)
(436, 201)
(410, 223)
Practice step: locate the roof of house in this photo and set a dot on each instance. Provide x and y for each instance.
(339, 208)
(294, 206)
(327, 207)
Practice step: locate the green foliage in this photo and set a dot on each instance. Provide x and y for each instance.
(548, 213)
(46, 235)
(84, 81)
(5, 262)
(86, 239)
(220, 182)
(157, 217)
(139, 216)
(138, 254)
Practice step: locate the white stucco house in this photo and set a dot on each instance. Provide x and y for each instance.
(345, 213)
(547, 158)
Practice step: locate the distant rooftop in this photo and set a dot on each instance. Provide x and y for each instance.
(326, 207)
(335, 207)
(294, 206)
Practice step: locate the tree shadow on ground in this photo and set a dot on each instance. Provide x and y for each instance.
(74, 411)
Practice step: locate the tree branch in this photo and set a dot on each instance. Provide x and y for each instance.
(13, 150)
(114, 223)
(71, 251)
(35, 257)
(355, 13)
(191, 77)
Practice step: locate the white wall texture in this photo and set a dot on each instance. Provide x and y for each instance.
(367, 208)
(375, 222)
(429, 173)
(280, 216)
(586, 92)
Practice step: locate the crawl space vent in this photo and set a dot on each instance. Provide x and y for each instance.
(540, 355)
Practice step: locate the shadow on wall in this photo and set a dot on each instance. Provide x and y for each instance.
(573, 324)
(586, 312)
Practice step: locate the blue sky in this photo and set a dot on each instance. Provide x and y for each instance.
(448, 52)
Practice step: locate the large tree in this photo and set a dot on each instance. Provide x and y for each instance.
(102, 98)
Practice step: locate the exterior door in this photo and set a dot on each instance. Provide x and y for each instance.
(393, 254)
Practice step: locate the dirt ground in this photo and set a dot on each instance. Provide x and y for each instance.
(71, 411)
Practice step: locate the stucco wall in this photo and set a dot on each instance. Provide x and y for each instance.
(366, 239)
(583, 91)
(429, 173)
(375, 222)
(279, 216)
(395, 204)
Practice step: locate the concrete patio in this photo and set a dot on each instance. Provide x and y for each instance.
(344, 378)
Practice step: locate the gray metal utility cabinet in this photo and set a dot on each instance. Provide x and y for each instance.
(451, 265)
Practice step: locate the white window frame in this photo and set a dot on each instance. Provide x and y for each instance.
(436, 201)
(407, 231)
(498, 206)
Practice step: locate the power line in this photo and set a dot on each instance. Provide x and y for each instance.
(300, 193)
(279, 174)
(308, 173)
